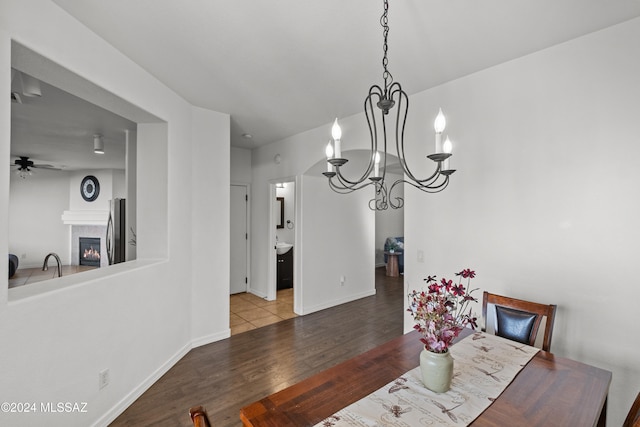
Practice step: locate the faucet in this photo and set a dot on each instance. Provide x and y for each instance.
(45, 266)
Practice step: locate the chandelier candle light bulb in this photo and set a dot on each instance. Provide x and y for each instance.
(376, 165)
(336, 133)
(329, 152)
(439, 126)
(446, 148)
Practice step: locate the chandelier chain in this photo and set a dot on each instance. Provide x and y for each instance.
(384, 21)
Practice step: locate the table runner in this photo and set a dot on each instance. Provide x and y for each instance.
(484, 365)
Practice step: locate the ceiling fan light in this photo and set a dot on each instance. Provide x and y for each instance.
(98, 144)
(24, 173)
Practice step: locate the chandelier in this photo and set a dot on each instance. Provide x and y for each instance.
(386, 98)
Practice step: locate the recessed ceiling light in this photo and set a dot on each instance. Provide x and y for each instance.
(247, 136)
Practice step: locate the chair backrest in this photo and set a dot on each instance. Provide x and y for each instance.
(519, 320)
(633, 417)
(199, 417)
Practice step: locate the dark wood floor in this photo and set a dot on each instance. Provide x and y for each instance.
(229, 374)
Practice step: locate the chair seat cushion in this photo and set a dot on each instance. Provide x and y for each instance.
(514, 324)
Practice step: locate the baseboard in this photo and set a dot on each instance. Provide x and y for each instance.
(333, 303)
(121, 406)
(210, 338)
(256, 293)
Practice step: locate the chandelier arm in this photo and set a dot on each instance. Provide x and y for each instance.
(380, 201)
(347, 183)
(340, 188)
(400, 200)
(402, 96)
(403, 109)
(400, 138)
(369, 112)
(384, 148)
(431, 188)
(396, 206)
(346, 187)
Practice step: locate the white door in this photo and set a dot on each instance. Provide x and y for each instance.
(239, 239)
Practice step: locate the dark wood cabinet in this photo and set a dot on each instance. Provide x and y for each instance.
(285, 270)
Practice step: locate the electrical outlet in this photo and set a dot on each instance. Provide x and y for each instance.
(103, 379)
(342, 280)
(420, 256)
(23, 256)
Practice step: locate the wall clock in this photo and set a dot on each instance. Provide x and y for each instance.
(90, 188)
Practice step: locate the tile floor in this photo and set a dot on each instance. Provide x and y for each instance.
(249, 311)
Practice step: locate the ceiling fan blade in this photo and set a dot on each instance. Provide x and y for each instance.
(48, 167)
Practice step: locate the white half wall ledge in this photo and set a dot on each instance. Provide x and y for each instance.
(85, 217)
(23, 294)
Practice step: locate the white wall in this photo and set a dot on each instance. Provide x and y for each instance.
(35, 210)
(119, 184)
(544, 204)
(133, 318)
(240, 165)
(132, 193)
(337, 241)
(212, 215)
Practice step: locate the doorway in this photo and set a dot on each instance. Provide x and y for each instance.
(283, 239)
(390, 226)
(284, 228)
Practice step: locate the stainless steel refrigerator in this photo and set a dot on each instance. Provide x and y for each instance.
(117, 231)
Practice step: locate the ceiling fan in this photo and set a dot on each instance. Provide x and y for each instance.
(25, 165)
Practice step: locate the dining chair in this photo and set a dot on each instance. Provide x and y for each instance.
(633, 417)
(199, 417)
(519, 320)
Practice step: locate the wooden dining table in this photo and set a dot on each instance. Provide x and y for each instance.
(548, 391)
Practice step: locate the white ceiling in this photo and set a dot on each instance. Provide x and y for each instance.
(286, 66)
(58, 129)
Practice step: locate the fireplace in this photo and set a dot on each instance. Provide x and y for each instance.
(89, 251)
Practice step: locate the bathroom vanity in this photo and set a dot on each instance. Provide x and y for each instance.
(285, 270)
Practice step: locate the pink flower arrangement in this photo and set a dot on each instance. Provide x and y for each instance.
(442, 311)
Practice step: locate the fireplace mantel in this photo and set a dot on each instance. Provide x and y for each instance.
(85, 217)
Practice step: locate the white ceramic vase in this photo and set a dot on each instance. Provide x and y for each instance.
(437, 370)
